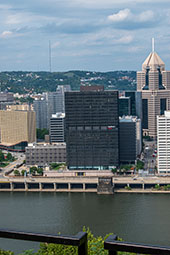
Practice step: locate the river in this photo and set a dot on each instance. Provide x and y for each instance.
(134, 217)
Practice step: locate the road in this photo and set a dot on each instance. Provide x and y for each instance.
(12, 165)
(149, 160)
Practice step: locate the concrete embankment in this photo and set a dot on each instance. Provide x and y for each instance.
(101, 185)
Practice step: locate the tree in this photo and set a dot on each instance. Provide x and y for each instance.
(2, 158)
(40, 171)
(139, 165)
(9, 156)
(33, 169)
(23, 172)
(114, 170)
(41, 133)
(54, 165)
(16, 172)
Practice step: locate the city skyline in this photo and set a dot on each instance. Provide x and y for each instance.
(84, 35)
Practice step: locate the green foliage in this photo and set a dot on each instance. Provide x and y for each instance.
(2, 252)
(41, 133)
(157, 187)
(163, 188)
(25, 100)
(95, 247)
(114, 170)
(139, 165)
(3, 164)
(28, 82)
(16, 172)
(2, 158)
(55, 166)
(23, 172)
(126, 167)
(35, 170)
(40, 171)
(128, 188)
(9, 157)
(166, 187)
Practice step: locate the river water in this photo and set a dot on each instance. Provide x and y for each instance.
(141, 218)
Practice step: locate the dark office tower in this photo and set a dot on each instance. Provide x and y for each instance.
(92, 129)
(124, 106)
(130, 139)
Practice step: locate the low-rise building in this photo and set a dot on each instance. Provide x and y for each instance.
(42, 154)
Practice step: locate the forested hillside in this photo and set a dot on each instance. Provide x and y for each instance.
(28, 82)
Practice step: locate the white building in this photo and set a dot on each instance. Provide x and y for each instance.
(163, 140)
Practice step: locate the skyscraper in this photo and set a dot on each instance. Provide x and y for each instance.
(40, 108)
(154, 83)
(56, 101)
(92, 129)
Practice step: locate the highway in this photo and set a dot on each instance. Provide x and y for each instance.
(12, 165)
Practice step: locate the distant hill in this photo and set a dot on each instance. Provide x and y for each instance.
(28, 82)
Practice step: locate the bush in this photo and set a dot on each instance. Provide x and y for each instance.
(157, 187)
(114, 170)
(128, 188)
(95, 246)
(2, 252)
(16, 172)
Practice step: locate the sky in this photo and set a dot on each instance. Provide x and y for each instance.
(92, 35)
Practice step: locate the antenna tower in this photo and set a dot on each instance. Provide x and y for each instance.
(50, 56)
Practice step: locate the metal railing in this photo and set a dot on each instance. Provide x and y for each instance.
(113, 246)
(79, 240)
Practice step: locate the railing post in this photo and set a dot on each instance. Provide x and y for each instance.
(83, 247)
(110, 239)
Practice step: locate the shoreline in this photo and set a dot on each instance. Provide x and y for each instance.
(133, 191)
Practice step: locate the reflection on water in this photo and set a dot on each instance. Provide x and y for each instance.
(135, 217)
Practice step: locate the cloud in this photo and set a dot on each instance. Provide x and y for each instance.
(120, 16)
(146, 16)
(125, 19)
(6, 34)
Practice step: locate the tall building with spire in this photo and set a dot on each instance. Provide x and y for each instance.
(154, 83)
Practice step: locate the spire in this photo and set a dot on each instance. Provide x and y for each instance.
(153, 44)
(153, 61)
